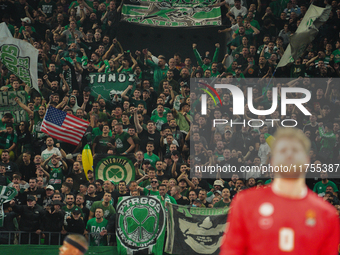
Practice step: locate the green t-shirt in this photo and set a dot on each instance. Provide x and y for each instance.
(149, 192)
(127, 71)
(185, 192)
(7, 140)
(94, 228)
(22, 28)
(336, 54)
(56, 177)
(268, 181)
(221, 204)
(159, 121)
(108, 211)
(320, 188)
(153, 158)
(122, 142)
(2, 125)
(168, 199)
(96, 132)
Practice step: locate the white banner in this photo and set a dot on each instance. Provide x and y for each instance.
(20, 57)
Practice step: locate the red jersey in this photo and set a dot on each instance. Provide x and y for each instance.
(261, 222)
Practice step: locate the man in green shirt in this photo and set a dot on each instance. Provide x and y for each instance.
(56, 171)
(124, 143)
(159, 118)
(149, 155)
(328, 139)
(321, 186)
(8, 140)
(108, 209)
(182, 117)
(167, 198)
(206, 63)
(99, 130)
(96, 228)
(226, 199)
(145, 181)
(336, 53)
(159, 70)
(104, 142)
(70, 207)
(150, 192)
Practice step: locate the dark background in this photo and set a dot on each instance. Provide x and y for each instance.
(167, 41)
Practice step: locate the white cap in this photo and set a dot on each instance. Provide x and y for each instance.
(27, 20)
(50, 187)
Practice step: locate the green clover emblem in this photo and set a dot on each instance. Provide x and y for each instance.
(115, 172)
(140, 221)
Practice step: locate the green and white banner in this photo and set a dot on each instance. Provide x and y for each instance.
(140, 225)
(8, 105)
(194, 230)
(20, 58)
(110, 84)
(6, 195)
(189, 13)
(113, 168)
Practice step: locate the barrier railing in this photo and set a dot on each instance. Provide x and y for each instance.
(45, 237)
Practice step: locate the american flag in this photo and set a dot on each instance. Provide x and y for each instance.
(63, 126)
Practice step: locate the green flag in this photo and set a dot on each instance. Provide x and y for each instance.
(305, 33)
(108, 85)
(140, 225)
(6, 195)
(20, 57)
(191, 13)
(113, 168)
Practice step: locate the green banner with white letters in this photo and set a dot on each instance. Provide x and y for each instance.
(140, 225)
(173, 13)
(110, 85)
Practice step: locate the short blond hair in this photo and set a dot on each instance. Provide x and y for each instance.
(294, 134)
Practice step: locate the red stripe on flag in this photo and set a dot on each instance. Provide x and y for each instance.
(61, 131)
(71, 131)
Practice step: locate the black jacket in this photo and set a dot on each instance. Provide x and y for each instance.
(53, 222)
(31, 218)
(75, 226)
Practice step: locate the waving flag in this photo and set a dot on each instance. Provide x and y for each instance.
(63, 126)
(306, 32)
(140, 225)
(6, 195)
(20, 57)
(172, 13)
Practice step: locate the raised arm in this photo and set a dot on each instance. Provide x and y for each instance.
(126, 91)
(139, 128)
(23, 106)
(197, 55)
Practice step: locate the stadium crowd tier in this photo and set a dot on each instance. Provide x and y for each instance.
(156, 121)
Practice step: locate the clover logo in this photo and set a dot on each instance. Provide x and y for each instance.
(140, 224)
(115, 173)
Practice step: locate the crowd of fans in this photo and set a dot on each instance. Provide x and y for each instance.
(160, 121)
